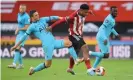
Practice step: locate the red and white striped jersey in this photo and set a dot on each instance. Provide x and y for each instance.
(76, 23)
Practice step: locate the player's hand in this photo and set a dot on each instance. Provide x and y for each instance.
(16, 32)
(91, 12)
(49, 29)
(118, 36)
(12, 48)
(105, 42)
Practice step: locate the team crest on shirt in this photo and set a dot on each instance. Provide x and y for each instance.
(28, 20)
(113, 22)
(107, 21)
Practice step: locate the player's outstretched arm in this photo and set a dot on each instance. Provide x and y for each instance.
(21, 40)
(58, 18)
(27, 33)
(114, 32)
(56, 23)
(25, 27)
(64, 19)
(19, 29)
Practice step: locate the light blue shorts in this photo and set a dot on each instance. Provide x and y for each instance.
(104, 48)
(48, 49)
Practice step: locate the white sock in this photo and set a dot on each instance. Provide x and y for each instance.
(90, 52)
(91, 69)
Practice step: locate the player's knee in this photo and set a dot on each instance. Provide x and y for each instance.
(106, 55)
(67, 43)
(85, 47)
(85, 51)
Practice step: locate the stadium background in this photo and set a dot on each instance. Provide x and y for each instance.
(122, 48)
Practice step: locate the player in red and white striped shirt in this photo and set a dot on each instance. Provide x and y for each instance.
(76, 23)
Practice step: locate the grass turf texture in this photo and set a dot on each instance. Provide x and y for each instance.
(115, 70)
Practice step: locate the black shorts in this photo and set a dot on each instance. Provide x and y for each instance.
(77, 42)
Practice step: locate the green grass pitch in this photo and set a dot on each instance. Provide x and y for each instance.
(116, 69)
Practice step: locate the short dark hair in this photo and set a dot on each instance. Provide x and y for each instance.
(32, 12)
(112, 7)
(84, 6)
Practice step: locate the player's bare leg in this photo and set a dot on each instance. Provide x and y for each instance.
(80, 60)
(40, 67)
(85, 51)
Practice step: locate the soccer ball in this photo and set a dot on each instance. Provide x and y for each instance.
(100, 71)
